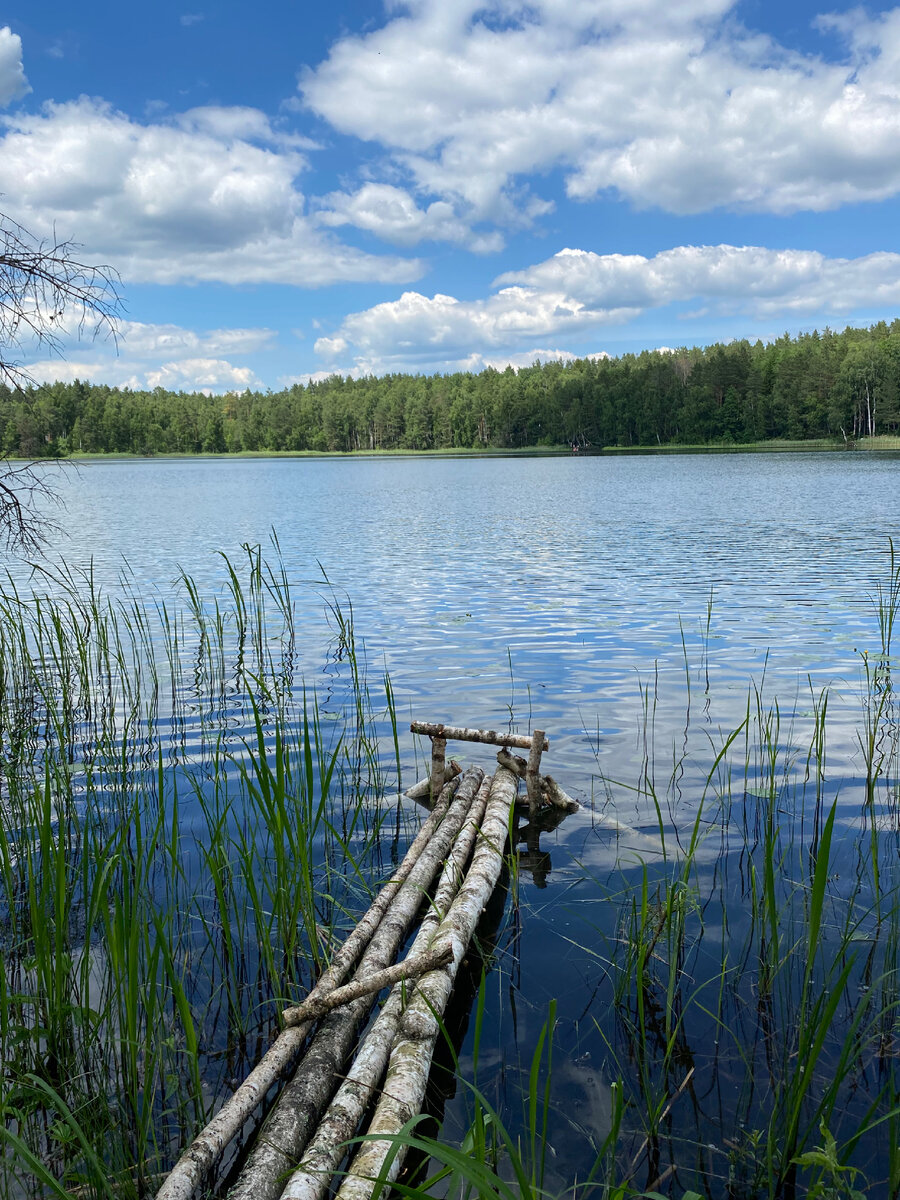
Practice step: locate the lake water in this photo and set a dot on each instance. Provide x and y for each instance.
(546, 586)
(625, 605)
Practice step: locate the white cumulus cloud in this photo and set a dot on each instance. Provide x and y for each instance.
(440, 329)
(147, 355)
(190, 374)
(138, 338)
(740, 279)
(668, 105)
(577, 291)
(13, 84)
(391, 213)
(202, 374)
(210, 195)
(524, 358)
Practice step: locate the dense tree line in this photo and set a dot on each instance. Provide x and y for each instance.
(820, 385)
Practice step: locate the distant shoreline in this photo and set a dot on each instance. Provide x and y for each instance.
(885, 443)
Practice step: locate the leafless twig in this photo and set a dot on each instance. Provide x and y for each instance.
(46, 293)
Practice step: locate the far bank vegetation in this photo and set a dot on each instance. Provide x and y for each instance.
(838, 386)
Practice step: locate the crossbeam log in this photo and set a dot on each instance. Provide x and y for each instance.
(488, 737)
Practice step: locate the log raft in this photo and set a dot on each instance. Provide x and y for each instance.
(300, 1149)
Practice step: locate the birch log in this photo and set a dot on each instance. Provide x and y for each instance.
(422, 789)
(556, 797)
(198, 1160)
(532, 773)
(290, 1125)
(325, 1152)
(488, 736)
(413, 965)
(512, 762)
(438, 759)
(551, 792)
(407, 1077)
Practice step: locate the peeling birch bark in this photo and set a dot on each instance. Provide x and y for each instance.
(323, 1156)
(489, 736)
(407, 1077)
(201, 1156)
(292, 1121)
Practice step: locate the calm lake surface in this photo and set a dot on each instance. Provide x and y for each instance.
(544, 589)
(628, 606)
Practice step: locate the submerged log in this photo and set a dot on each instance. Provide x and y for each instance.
(202, 1155)
(404, 1087)
(325, 1152)
(488, 736)
(292, 1121)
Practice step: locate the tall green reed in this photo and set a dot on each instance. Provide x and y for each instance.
(792, 997)
(182, 837)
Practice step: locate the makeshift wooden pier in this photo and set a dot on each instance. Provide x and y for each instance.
(301, 1147)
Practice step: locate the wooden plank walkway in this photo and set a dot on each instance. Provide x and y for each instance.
(300, 1149)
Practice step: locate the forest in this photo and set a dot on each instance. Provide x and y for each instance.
(841, 386)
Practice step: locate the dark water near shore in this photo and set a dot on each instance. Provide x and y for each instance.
(626, 606)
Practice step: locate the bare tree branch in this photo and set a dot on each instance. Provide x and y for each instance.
(46, 294)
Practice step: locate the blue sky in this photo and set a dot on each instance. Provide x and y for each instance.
(438, 185)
